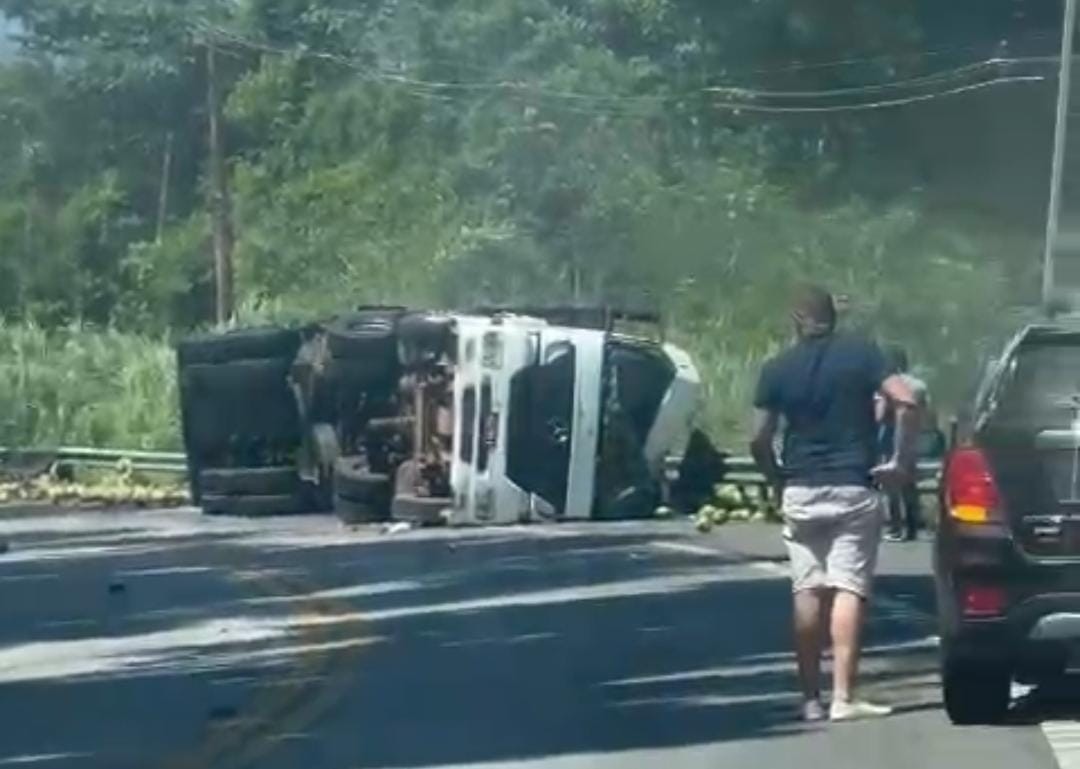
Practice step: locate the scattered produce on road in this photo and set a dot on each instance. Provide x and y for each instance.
(119, 486)
(734, 502)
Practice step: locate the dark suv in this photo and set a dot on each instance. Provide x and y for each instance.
(1007, 558)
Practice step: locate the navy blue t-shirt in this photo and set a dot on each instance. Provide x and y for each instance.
(824, 388)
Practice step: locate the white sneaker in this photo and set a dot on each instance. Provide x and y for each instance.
(855, 710)
(812, 711)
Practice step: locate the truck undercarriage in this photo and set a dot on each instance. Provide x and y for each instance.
(484, 417)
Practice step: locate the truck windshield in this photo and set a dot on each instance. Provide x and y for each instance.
(636, 378)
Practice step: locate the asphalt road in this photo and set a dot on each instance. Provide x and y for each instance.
(172, 640)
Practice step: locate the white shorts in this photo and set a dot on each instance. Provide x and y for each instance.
(832, 535)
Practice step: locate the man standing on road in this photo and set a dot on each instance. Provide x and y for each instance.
(824, 387)
(905, 513)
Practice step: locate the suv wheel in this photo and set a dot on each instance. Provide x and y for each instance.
(976, 692)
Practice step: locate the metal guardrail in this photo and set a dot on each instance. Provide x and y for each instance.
(740, 470)
(147, 461)
(744, 470)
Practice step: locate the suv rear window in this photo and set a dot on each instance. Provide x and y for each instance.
(1042, 384)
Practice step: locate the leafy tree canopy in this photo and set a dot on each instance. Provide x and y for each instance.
(696, 156)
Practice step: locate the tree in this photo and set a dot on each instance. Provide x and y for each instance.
(139, 63)
(458, 152)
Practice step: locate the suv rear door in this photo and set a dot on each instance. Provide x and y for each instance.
(1029, 425)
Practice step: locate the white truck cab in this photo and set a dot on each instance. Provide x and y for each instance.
(559, 423)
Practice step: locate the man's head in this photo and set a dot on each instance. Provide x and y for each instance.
(813, 311)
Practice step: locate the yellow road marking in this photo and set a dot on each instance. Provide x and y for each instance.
(310, 689)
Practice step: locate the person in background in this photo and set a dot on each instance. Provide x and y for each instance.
(904, 506)
(823, 387)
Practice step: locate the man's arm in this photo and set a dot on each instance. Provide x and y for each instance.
(906, 408)
(761, 448)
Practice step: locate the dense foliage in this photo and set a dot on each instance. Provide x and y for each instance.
(691, 155)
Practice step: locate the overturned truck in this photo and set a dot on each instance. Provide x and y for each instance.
(487, 417)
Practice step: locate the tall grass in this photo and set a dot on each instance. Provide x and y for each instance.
(77, 385)
(80, 386)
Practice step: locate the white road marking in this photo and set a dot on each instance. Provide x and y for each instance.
(69, 623)
(1064, 739)
(172, 571)
(41, 758)
(499, 640)
(1063, 736)
(113, 655)
(605, 590)
(338, 593)
(30, 578)
(902, 608)
(685, 547)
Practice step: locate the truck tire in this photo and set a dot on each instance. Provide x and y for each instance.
(249, 481)
(252, 506)
(975, 692)
(361, 373)
(352, 511)
(423, 337)
(241, 344)
(393, 311)
(239, 376)
(420, 511)
(363, 336)
(245, 399)
(354, 479)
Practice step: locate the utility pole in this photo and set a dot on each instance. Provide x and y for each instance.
(219, 198)
(163, 188)
(1061, 124)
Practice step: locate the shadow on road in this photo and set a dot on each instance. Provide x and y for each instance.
(471, 649)
(678, 652)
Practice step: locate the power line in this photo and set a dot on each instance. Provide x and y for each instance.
(922, 80)
(737, 108)
(886, 103)
(739, 98)
(886, 57)
(804, 66)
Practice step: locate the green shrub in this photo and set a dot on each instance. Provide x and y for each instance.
(80, 386)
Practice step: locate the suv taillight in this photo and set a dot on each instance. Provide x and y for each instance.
(970, 492)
